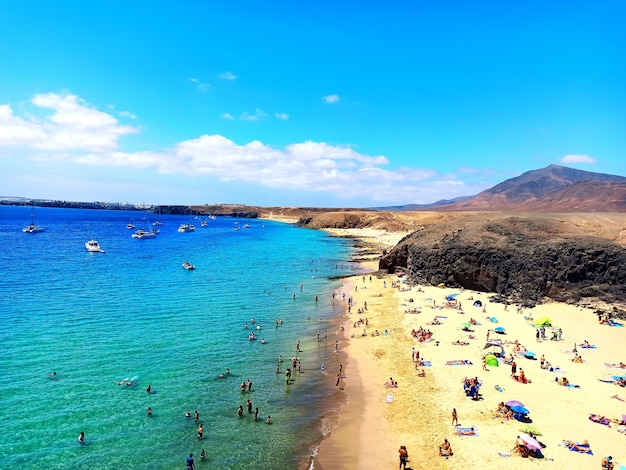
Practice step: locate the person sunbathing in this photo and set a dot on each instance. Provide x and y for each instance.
(466, 432)
(422, 373)
(597, 418)
(582, 447)
(577, 359)
(445, 449)
(564, 381)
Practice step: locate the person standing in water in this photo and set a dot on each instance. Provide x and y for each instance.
(191, 465)
(81, 438)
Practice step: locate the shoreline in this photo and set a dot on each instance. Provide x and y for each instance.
(370, 429)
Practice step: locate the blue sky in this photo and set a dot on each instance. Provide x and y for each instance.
(317, 103)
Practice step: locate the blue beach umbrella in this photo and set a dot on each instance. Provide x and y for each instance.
(499, 330)
(529, 354)
(519, 409)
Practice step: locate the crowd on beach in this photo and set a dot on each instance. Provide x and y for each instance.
(523, 444)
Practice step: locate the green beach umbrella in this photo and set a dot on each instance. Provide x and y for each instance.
(492, 360)
(467, 324)
(530, 430)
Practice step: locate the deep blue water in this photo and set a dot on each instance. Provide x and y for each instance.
(134, 312)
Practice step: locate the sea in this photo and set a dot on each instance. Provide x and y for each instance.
(74, 325)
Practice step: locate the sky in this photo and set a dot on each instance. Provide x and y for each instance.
(309, 103)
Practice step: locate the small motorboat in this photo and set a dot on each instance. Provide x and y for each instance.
(93, 246)
(142, 233)
(188, 266)
(183, 228)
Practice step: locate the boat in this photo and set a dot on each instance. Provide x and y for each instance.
(204, 223)
(182, 228)
(143, 233)
(93, 246)
(247, 225)
(32, 227)
(188, 266)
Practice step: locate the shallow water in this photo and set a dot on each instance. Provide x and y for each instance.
(134, 312)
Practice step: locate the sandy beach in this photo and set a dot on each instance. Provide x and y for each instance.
(376, 420)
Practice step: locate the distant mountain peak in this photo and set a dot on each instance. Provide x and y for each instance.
(554, 188)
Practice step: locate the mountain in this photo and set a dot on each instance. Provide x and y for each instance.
(420, 207)
(551, 189)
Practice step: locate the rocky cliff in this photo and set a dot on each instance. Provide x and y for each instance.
(520, 259)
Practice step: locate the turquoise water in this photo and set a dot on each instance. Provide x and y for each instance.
(134, 312)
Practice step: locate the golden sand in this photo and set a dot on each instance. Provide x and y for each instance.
(376, 420)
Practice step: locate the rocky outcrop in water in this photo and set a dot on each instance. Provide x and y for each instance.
(521, 260)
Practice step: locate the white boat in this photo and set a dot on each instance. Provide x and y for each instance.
(32, 227)
(186, 228)
(142, 233)
(93, 246)
(157, 223)
(188, 266)
(204, 223)
(247, 225)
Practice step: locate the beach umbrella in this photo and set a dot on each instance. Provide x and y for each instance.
(514, 403)
(531, 442)
(492, 360)
(529, 354)
(530, 430)
(493, 320)
(499, 329)
(520, 410)
(467, 324)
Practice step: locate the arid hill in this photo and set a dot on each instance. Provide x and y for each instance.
(551, 189)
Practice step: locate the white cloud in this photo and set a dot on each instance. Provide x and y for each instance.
(330, 99)
(578, 159)
(258, 114)
(74, 125)
(127, 114)
(202, 87)
(227, 76)
(227, 116)
(77, 134)
(283, 116)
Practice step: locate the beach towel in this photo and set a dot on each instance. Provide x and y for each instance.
(590, 346)
(461, 362)
(581, 448)
(572, 386)
(425, 363)
(468, 431)
(600, 420)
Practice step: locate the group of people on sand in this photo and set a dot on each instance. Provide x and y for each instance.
(471, 387)
(421, 334)
(504, 411)
(524, 450)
